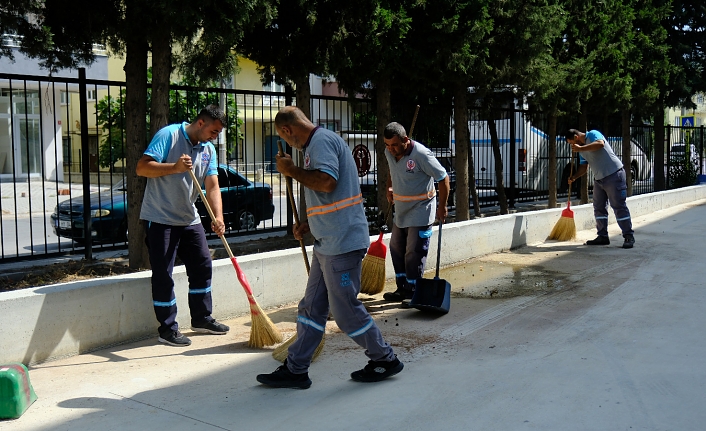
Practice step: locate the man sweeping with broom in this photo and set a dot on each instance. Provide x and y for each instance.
(609, 185)
(413, 170)
(336, 219)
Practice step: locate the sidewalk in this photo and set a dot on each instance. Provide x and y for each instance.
(598, 338)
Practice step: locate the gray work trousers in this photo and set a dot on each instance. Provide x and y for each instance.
(334, 282)
(614, 190)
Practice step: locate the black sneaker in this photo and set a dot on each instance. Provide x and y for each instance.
(174, 338)
(283, 378)
(210, 327)
(377, 370)
(398, 295)
(629, 241)
(600, 240)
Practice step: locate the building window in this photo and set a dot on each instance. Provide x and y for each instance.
(274, 87)
(91, 95)
(65, 98)
(700, 99)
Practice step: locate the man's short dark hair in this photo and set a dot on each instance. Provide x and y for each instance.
(212, 112)
(571, 134)
(395, 129)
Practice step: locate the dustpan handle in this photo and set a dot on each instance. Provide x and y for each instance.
(438, 251)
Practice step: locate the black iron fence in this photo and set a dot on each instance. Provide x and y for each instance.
(62, 150)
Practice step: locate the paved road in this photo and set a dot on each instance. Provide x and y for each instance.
(599, 338)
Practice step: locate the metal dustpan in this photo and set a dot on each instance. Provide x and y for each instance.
(433, 294)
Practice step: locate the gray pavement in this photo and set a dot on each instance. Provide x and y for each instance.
(552, 336)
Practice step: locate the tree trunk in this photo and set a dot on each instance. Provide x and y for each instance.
(551, 156)
(161, 71)
(658, 150)
(462, 152)
(626, 149)
(583, 126)
(135, 132)
(384, 113)
(499, 182)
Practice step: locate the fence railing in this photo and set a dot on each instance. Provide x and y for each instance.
(54, 161)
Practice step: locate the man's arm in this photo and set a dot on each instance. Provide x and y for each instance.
(150, 168)
(213, 194)
(593, 146)
(313, 180)
(581, 171)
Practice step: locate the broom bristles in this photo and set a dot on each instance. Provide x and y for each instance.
(280, 352)
(564, 230)
(372, 279)
(262, 332)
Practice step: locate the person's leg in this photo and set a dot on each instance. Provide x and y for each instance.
(163, 241)
(600, 212)
(342, 275)
(194, 253)
(312, 315)
(416, 253)
(617, 190)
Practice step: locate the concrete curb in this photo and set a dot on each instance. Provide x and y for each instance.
(50, 322)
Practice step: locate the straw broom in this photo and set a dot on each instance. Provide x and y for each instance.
(262, 331)
(280, 352)
(372, 279)
(565, 228)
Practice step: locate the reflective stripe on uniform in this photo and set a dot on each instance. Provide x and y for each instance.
(165, 304)
(361, 330)
(306, 321)
(195, 291)
(424, 196)
(336, 206)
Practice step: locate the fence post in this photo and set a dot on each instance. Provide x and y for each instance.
(85, 162)
(288, 97)
(513, 158)
(701, 150)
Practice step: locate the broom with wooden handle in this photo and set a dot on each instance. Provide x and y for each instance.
(280, 352)
(262, 331)
(372, 279)
(565, 228)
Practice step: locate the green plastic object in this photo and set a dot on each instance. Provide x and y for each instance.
(16, 392)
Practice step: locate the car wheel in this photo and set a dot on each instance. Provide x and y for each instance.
(246, 220)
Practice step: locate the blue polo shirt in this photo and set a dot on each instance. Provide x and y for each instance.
(604, 161)
(170, 199)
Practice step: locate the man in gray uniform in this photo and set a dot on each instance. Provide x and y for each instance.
(174, 225)
(336, 219)
(413, 170)
(608, 185)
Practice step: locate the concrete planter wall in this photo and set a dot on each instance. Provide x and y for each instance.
(49, 322)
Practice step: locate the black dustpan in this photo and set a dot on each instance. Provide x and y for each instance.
(433, 294)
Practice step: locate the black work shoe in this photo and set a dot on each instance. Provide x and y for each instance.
(600, 240)
(398, 295)
(629, 241)
(174, 338)
(210, 327)
(377, 370)
(283, 378)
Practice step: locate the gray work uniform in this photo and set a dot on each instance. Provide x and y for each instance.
(337, 222)
(609, 185)
(414, 197)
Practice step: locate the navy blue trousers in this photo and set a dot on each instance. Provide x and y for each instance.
(189, 243)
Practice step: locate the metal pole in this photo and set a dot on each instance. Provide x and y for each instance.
(85, 162)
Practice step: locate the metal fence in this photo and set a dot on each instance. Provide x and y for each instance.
(62, 144)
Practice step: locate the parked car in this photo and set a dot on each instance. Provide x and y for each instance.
(245, 205)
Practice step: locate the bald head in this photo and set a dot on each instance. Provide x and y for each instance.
(293, 126)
